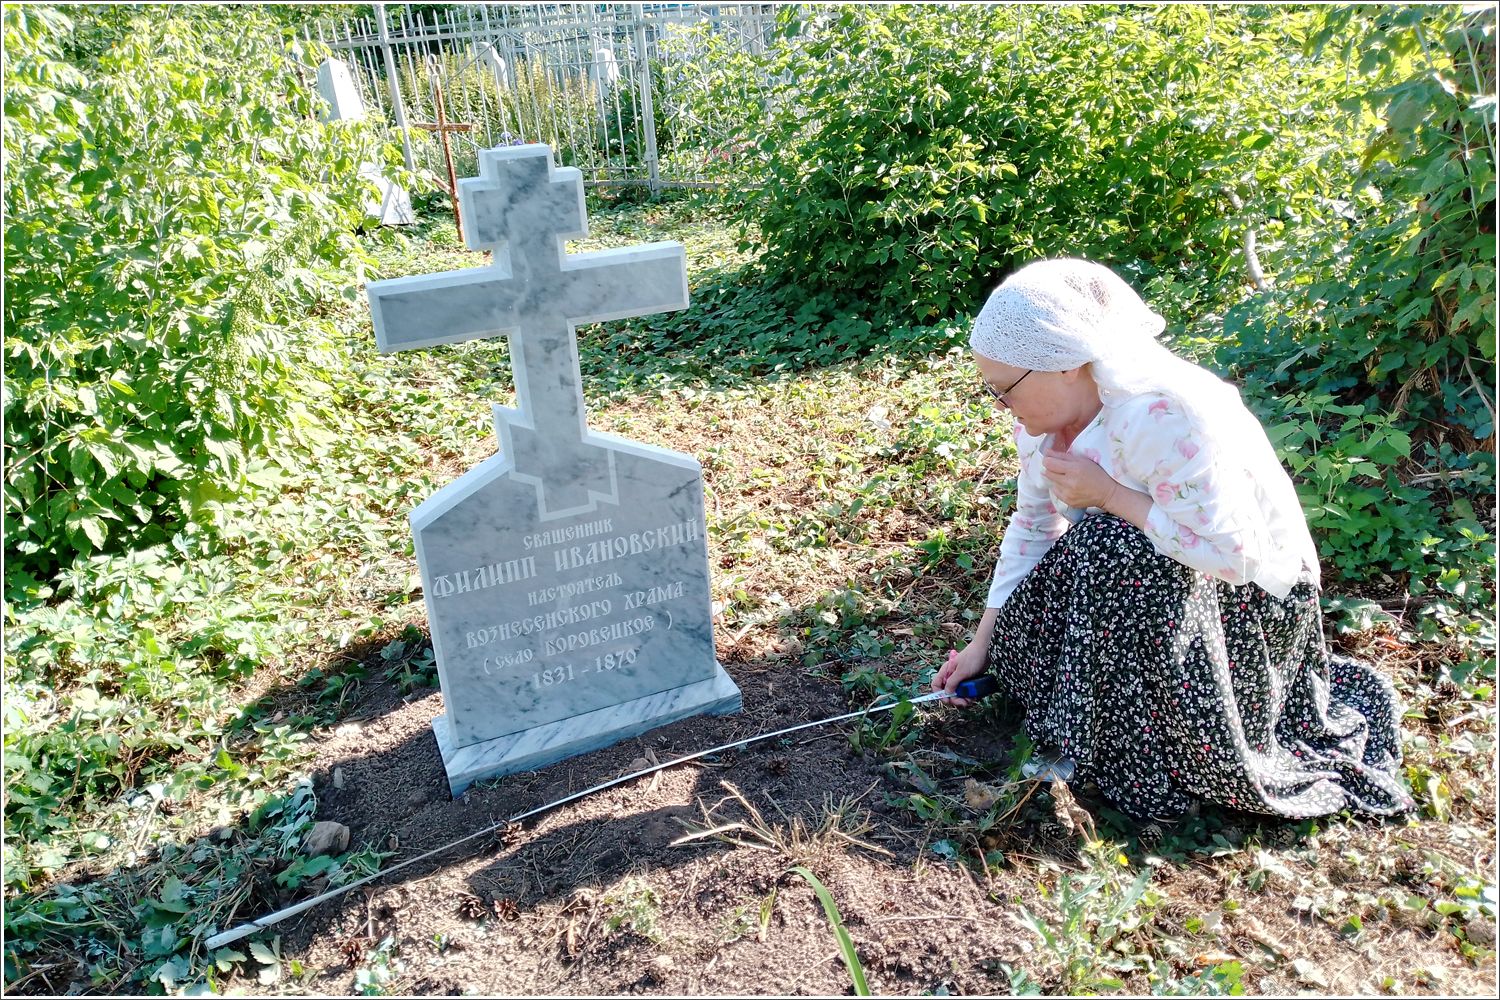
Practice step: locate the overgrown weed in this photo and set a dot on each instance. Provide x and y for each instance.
(798, 840)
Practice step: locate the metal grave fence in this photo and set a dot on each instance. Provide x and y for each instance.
(631, 94)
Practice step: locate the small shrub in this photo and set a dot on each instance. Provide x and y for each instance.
(172, 214)
(633, 905)
(1097, 909)
(914, 155)
(1374, 347)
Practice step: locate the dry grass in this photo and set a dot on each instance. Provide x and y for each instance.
(796, 839)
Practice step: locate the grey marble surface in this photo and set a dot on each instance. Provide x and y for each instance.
(524, 210)
(547, 744)
(600, 607)
(568, 574)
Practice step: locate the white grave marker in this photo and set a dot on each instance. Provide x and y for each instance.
(566, 578)
(605, 71)
(339, 92)
(486, 56)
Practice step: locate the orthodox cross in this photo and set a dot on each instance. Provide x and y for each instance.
(442, 127)
(524, 209)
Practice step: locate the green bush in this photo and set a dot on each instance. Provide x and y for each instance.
(711, 95)
(916, 155)
(128, 687)
(1375, 342)
(175, 218)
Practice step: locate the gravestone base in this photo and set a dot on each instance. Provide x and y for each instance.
(547, 744)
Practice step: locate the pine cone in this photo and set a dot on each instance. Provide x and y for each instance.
(353, 950)
(506, 909)
(471, 907)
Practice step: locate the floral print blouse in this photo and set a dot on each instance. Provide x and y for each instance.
(1213, 516)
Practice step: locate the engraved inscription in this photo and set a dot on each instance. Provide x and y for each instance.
(655, 595)
(605, 633)
(565, 672)
(573, 532)
(552, 620)
(633, 544)
(492, 575)
(562, 618)
(564, 591)
(500, 661)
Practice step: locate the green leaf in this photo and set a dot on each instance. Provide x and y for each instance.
(168, 973)
(80, 464)
(91, 527)
(173, 890)
(845, 942)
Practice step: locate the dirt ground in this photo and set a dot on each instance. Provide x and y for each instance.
(559, 870)
(594, 898)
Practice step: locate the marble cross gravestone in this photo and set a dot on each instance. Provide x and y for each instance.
(566, 578)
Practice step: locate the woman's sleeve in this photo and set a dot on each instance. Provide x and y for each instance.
(1033, 527)
(1203, 511)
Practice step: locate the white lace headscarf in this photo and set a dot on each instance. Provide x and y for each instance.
(1055, 315)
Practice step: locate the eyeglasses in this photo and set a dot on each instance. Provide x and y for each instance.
(1000, 396)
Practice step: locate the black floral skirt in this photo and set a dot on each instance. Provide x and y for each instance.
(1165, 685)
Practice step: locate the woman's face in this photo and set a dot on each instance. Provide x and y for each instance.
(1043, 402)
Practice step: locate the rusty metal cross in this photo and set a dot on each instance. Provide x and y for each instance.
(443, 127)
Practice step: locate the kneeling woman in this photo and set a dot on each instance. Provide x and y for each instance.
(1155, 605)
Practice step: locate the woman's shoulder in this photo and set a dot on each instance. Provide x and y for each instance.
(1222, 416)
(1144, 409)
(1155, 427)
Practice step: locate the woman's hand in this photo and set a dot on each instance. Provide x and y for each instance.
(1077, 481)
(959, 668)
